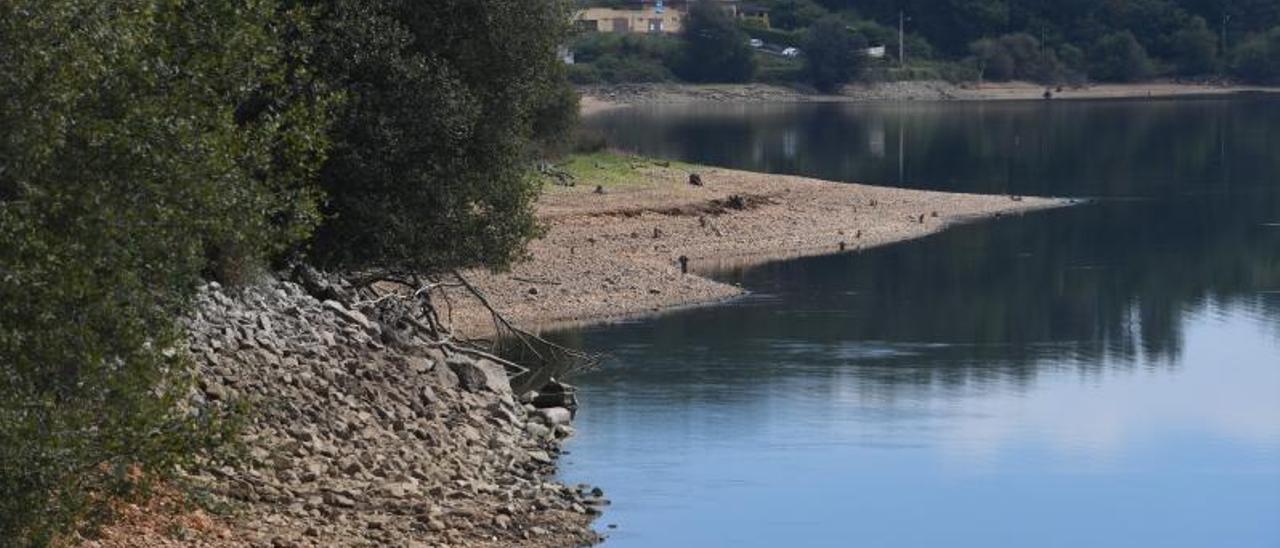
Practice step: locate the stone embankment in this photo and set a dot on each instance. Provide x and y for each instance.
(360, 433)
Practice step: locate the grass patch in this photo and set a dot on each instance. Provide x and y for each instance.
(612, 170)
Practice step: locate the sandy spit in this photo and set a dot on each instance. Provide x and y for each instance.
(615, 255)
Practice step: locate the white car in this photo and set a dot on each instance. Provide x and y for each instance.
(791, 52)
(756, 43)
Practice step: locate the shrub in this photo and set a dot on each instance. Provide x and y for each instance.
(794, 14)
(991, 60)
(1257, 58)
(779, 70)
(139, 138)
(833, 55)
(584, 74)
(1118, 57)
(431, 157)
(1015, 57)
(775, 37)
(956, 73)
(713, 48)
(1195, 48)
(619, 70)
(656, 47)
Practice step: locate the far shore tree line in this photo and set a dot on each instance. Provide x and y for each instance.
(147, 146)
(955, 40)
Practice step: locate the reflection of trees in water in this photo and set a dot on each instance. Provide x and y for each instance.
(1114, 148)
(1102, 286)
(1096, 287)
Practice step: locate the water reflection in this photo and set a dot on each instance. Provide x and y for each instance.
(1075, 148)
(1104, 375)
(1097, 286)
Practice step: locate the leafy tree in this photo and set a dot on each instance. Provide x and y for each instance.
(139, 139)
(833, 54)
(430, 166)
(992, 61)
(715, 49)
(1181, 35)
(1257, 58)
(623, 57)
(1118, 57)
(794, 14)
(1016, 56)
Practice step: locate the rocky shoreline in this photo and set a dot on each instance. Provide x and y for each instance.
(360, 434)
(365, 430)
(598, 99)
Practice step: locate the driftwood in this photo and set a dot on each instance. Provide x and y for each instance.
(547, 354)
(413, 307)
(562, 177)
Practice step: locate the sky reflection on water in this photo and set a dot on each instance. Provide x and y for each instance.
(1105, 375)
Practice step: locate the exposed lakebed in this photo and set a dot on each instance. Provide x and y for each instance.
(1102, 375)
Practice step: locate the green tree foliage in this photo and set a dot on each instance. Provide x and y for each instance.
(833, 54)
(429, 169)
(794, 14)
(138, 140)
(1194, 48)
(1182, 36)
(614, 58)
(715, 49)
(1016, 57)
(1257, 58)
(1118, 57)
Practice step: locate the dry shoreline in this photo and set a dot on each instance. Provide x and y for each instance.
(615, 255)
(596, 99)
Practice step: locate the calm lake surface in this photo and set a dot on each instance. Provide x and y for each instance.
(1103, 375)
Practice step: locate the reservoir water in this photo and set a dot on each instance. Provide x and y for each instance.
(1101, 375)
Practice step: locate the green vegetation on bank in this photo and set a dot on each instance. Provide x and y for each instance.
(992, 40)
(148, 145)
(611, 169)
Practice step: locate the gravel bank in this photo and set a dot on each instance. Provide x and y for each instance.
(361, 434)
(615, 255)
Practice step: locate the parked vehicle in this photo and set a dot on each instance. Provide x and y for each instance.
(791, 52)
(756, 43)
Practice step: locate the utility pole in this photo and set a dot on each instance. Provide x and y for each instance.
(1225, 18)
(902, 59)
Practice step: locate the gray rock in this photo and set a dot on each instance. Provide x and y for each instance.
(446, 377)
(339, 500)
(353, 316)
(478, 375)
(537, 430)
(301, 434)
(554, 416)
(419, 364)
(217, 392)
(563, 431)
